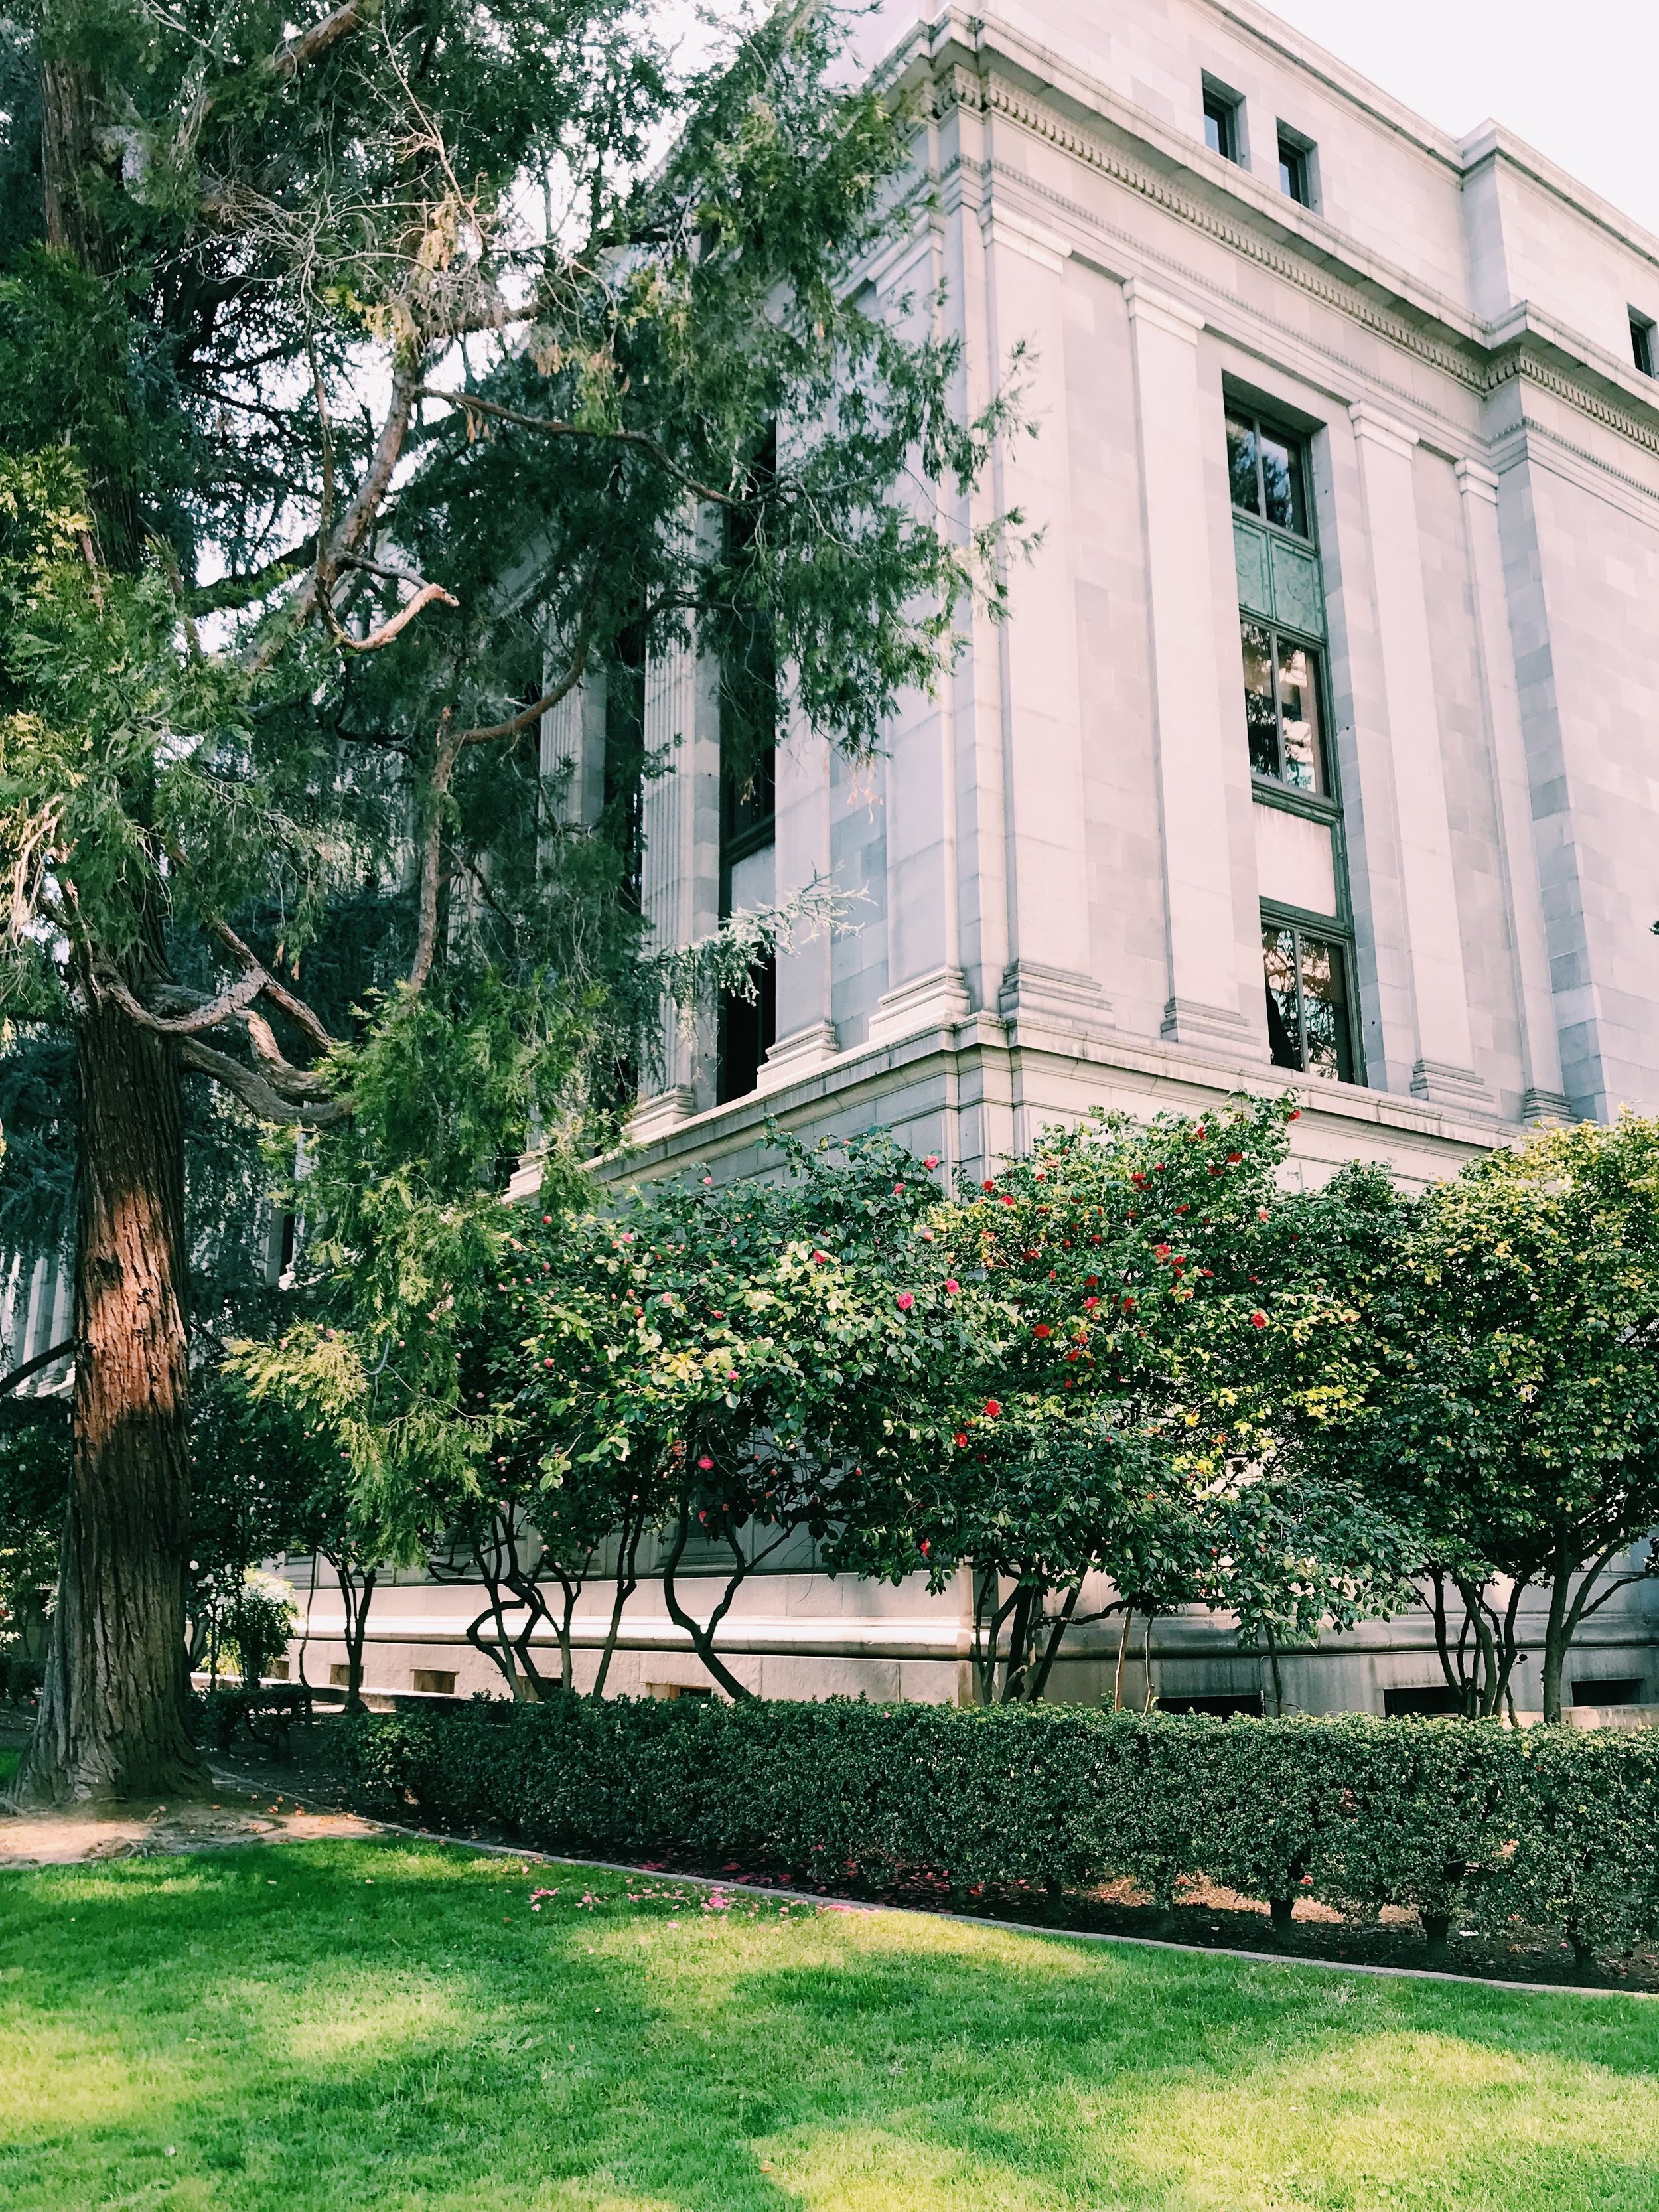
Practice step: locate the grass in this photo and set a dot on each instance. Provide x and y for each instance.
(8, 1766)
(336, 2026)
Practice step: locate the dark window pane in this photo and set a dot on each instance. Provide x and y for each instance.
(1260, 719)
(1325, 1012)
(1281, 482)
(1221, 126)
(1283, 1014)
(1293, 173)
(1240, 466)
(1299, 702)
(748, 1030)
(1641, 344)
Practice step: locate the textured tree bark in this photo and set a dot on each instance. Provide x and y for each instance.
(114, 1714)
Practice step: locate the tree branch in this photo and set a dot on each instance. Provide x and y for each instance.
(450, 744)
(305, 46)
(229, 1004)
(33, 1366)
(551, 427)
(262, 1099)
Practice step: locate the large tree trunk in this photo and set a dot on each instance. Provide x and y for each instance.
(113, 1715)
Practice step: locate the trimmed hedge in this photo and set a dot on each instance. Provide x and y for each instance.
(1552, 1827)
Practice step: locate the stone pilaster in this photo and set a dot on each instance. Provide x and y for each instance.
(1197, 897)
(1443, 1071)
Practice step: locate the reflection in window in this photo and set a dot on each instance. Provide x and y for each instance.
(1281, 708)
(1269, 473)
(1307, 1026)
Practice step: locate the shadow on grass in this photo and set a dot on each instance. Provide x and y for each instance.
(343, 2026)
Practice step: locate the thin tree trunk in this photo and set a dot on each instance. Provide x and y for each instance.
(1557, 1634)
(627, 1582)
(1122, 1658)
(114, 1713)
(700, 1634)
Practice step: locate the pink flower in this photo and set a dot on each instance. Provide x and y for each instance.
(705, 1461)
(1258, 1320)
(906, 1300)
(992, 1407)
(952, 1285)
(822, 1258)
(932, 1160)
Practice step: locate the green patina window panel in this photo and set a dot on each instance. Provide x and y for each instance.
(1254, 575)
(1278, 579)
(1298, 602)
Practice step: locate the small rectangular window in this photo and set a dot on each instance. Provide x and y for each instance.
(1267, 469)
(1295, 167)
(434, 1682)
(1642, 342)
(1222, 134)
(1282, 709)
(1307, 980)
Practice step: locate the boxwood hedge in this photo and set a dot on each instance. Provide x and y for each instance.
(1552, 1826)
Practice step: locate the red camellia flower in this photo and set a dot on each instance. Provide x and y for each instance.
(926, 1548)
(992, 1407)
(988, 1186)
(906, 1300)
(1129, 1305)
(932, 1160)
(1295, 1116)
(1233, 1159)
(705, 1462)
(1089, 1304)
(821, 1257)
(961, 1440)
(951, 1283)
(1042, 1330)
(897, 1187)
(1258, 1320)
(1138, 1181)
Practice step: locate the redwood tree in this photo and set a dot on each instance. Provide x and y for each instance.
(361, 382)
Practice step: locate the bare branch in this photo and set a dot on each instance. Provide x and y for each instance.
(551, 427)
(229, 1004)
(305, 46)
(451, 745)
(261, 1098)
(401, 620)
(33, 1366)
(278, 993)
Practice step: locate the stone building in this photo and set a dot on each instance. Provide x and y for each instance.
(1321, 747)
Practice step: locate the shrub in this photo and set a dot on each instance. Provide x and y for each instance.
(1474, 1820)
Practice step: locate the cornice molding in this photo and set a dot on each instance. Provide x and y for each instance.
(1473, 364)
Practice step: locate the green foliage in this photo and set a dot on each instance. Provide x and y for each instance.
(1500, 1397)
(1483, 1821)
(1138, 1341)
(34, 1457)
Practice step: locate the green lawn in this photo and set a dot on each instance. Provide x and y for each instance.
(322, 2027)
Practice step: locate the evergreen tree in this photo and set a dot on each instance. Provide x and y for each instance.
(366, 386)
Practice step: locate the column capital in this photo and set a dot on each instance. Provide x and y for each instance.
(1370, 424)
(1146, 304)
(1475, 478)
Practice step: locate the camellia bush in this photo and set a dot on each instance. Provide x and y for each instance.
(1473, 1826)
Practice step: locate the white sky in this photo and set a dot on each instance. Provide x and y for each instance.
(1576, 78)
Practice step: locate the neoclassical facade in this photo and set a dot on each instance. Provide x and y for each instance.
(1321, 747)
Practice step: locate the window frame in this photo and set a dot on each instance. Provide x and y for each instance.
(1338, 933)
(1297, 155)
(1645, 349)
(1327, 805)
(1224, 107)
(1237, 410)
